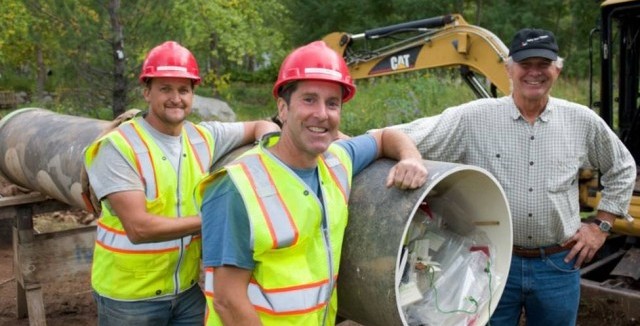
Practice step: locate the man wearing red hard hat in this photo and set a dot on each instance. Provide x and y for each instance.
(274, 219)
(147, 255)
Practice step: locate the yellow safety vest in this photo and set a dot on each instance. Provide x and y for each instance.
(125, 271)
(297, 257)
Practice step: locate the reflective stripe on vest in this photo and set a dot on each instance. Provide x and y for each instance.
(285, 301)
(144, 162)
(282, 228)
(116, 240)
(199, 146)
(338, 173)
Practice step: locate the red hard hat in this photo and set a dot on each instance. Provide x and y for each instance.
(315, 61)
(170, 59)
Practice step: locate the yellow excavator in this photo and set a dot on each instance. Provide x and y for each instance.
(438, 42)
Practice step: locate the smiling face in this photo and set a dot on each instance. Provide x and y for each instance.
(311, 118)
(170, 102)
(532, 80)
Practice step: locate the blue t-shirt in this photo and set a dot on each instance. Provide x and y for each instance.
(225, 224)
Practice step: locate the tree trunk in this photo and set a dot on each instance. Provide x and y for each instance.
(478, 13)
(41, 73)
(214, 63)
(119, 79)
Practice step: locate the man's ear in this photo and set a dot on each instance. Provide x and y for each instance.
(282, 110)
(145, 93)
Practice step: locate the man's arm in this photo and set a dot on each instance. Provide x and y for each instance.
(142, 226)
(254, 130)
(226, 247)
(409, 172)
(231, 301)
(618, 173)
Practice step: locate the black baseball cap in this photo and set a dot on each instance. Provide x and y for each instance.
(530, 42)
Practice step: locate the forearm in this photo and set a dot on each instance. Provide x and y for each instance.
(142, 226)
(618, 172)
(606, 216)
(409, 172)
(157, 228)
(236, 313)
(254, 130)
(231, 301)
(617, 190)
(396, 145)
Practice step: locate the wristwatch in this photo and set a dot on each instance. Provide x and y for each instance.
(604, 226)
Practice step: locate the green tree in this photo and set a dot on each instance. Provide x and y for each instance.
(95, 47)
(27, 45)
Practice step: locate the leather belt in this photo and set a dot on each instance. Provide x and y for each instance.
(538, 252)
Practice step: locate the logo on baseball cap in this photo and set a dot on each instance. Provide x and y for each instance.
(529, 43)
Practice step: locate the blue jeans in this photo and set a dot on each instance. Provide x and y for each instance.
(547, 288)
(186, 309)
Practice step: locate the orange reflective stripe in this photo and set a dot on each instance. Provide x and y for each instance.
(199, 146)
(281, 226)
(338, 173)
(143, 158)
(208, 282)
(117, 241)
(281, 301)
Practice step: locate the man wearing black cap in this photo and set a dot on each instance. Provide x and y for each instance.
(534, 145)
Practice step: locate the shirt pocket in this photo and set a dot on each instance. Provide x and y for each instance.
(563, 174)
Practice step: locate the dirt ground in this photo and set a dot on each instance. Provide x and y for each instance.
(71, 303)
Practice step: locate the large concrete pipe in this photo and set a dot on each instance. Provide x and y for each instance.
(380, 220)
(42, 151)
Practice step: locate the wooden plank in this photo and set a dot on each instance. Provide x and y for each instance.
(39, 204)
(21, 301)
(58, 256)
(36, 307)
(32, 197)
(21, 297)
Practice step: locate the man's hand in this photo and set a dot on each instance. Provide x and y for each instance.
(589, 239)
(408, 173)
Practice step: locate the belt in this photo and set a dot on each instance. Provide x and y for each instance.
(538, 252)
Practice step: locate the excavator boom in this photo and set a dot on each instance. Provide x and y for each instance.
(439, 42)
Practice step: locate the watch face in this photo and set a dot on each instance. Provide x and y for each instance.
(603, 225)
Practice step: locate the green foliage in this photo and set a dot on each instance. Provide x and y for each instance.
(400, 99)
(14, 30)
(251, 101)
(575, 90)
(389, 101)
(10, 80)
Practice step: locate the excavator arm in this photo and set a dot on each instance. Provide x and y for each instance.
(438, 42)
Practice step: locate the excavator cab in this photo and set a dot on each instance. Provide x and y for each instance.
(438, 42)
(614, 274)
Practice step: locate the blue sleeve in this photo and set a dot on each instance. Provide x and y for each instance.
(363, 150)
(225, 227)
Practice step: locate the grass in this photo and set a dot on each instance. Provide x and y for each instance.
(388, 100)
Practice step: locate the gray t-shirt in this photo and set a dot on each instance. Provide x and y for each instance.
(111, 172)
